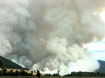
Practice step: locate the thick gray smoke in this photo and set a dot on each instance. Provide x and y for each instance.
(49, 33)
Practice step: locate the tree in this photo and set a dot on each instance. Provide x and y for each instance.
(1, 64)
(38, 74)
(4, 72)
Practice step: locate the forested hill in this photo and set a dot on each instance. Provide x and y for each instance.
(5, 63)
(102, 66)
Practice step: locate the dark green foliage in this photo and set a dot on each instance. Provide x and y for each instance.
(47, 74)
(38, 74)
(5, 63)
(23, 73)
(87, 74)
(11, 73)
(4, 72)
(102, 66)
(55, 74)
(82, 74)
(1, 64)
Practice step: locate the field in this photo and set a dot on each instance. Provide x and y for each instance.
(44, 77)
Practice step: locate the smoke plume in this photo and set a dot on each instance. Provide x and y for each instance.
(49, 34)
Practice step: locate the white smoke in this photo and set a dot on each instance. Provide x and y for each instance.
(49, 34)
(16, 30)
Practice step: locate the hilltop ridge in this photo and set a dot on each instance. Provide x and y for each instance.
(6, 63)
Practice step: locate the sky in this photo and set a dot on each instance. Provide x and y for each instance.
(50, 34)
(97, 48)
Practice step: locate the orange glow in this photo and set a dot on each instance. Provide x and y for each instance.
(42, 40)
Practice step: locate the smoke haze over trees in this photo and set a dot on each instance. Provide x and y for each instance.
(5, 63)
(50, 33)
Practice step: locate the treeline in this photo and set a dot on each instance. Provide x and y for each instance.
(4, 72)
(102, 74)
(88, 74)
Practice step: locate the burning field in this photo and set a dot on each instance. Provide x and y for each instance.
(49, 35)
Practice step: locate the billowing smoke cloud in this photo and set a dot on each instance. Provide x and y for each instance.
(16, 29)
(22, 61)
(50, 33)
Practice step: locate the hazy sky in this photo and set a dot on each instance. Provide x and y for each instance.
(97, 49)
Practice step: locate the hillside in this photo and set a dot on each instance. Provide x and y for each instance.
(5, 63)
(102, 66)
